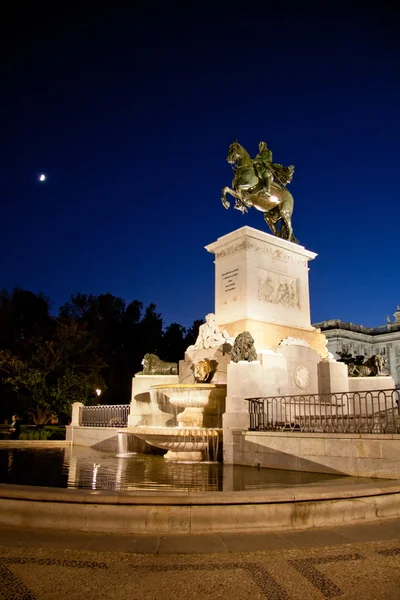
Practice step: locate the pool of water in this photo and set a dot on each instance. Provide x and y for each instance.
(86, 468)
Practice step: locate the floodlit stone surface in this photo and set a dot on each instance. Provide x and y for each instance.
(196, 512)
(364, 455)
(261, 286)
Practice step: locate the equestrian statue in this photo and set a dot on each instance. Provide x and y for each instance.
(262, 184)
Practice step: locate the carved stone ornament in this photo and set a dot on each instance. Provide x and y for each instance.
(292, 341)
(204, 370)
(278, 289)
(243, 348)
(276, 253)
(301, 377)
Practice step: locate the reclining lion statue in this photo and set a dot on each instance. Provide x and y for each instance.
(152, 365)
(373, 367)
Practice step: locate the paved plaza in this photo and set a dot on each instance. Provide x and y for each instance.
(354, 562)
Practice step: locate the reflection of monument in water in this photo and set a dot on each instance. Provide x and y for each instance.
(262, 288)
(94, 470)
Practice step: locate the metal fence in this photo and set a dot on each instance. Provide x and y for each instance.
(104, 416)
(349, 412)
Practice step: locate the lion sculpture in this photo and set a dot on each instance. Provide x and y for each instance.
(152, 365)
(204, 370)
(371, 368)
(243, 348)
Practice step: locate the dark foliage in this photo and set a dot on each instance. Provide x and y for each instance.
(117, 335)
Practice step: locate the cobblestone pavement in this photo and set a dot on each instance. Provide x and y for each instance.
(354, 562)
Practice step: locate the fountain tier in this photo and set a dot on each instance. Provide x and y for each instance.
(190, 440)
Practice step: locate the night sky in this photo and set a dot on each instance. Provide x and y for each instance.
(130, 113)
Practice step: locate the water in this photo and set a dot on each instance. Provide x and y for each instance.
(79, 467)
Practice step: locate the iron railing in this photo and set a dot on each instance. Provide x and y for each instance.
(104, 416)
(347, 412)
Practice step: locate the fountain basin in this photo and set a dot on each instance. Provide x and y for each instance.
(182, 443)
(190, 440)
(192, 397)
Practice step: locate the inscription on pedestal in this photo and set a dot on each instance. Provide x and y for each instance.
(230, 284)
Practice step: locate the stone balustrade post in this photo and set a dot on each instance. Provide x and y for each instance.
(76, 413)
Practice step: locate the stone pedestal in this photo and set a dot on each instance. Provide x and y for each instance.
(261, 286)
(359, 384)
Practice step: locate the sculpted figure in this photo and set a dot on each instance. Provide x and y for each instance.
(243, 348)
(262, 184)
(210, 335)
(203, 371)
(263, 166)
(152, 365)
(373, 367)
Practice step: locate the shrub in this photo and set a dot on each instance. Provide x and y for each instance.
(35, 434)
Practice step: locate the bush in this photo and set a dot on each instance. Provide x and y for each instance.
(29, 432)
(35, 434)
(56, 432)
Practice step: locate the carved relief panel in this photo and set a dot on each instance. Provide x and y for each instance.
(278, 289)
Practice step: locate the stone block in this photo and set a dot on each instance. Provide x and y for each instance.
(312, 446)
(332, 377)
(390, 448)
(274, 374)
(195, 354)
(150, 406)
(362, 384)
(302, 370)
(244, 379)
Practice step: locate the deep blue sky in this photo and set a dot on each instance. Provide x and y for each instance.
(130, 115)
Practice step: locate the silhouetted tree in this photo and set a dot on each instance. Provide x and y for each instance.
(55, 372)
(173, 344)
(193, 332)
(150, 331)
(23, 316)
(120, 333)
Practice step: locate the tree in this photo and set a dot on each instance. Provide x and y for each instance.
(22, 315)
(150, 331)
(55, 372)
(78, 307)
(193, 332)
(173, 343)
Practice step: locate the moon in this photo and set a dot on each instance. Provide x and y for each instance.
(42, 177)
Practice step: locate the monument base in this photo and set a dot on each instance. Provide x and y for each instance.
(268, 335)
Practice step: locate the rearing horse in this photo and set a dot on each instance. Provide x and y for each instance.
(248, 191)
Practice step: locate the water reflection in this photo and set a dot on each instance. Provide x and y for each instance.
(106, 471)
(80, 467)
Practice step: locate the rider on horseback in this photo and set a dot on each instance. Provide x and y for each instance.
(262, 165)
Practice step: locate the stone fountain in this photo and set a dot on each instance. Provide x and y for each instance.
(183, 413)
(189, 440)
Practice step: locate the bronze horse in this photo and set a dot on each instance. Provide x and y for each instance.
(249, 192)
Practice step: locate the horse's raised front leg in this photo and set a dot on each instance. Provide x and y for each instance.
(228, 190)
